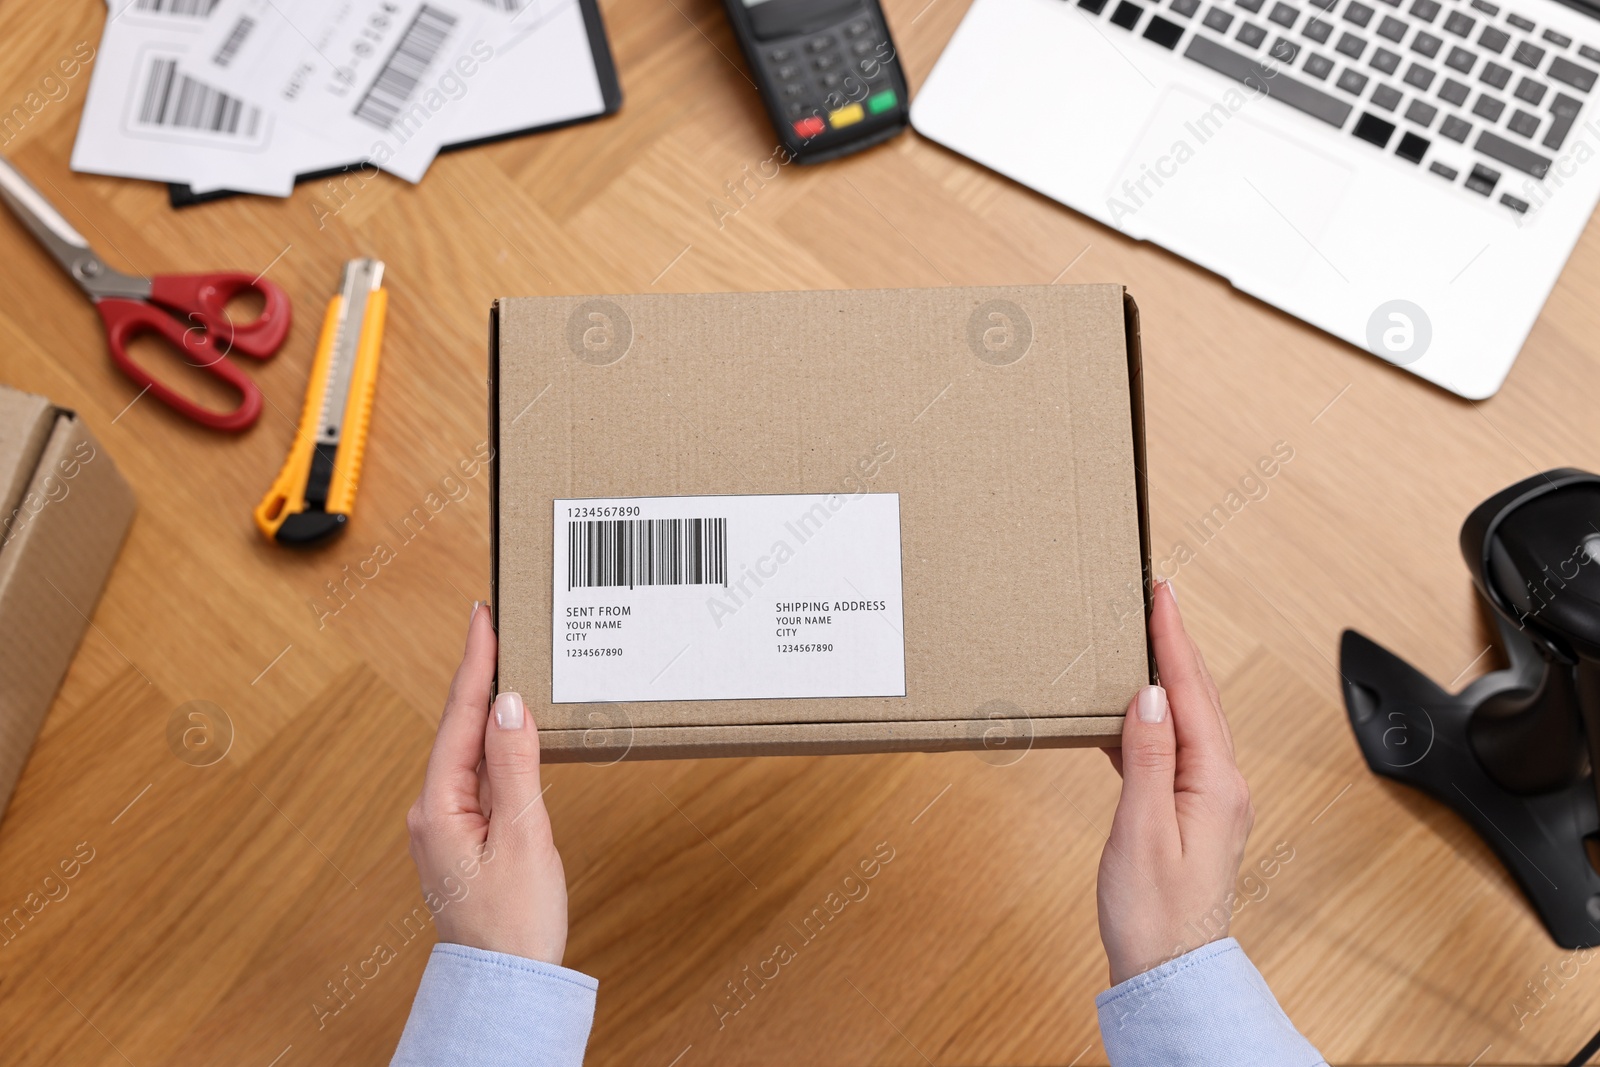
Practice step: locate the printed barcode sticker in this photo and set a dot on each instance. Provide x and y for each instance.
(634, 552)
(400, 74)
(171, 100)
(194, 9)
(234, 41)
(727, 598)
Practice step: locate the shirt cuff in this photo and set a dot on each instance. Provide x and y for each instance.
(1209, 1006)
(483, 1009)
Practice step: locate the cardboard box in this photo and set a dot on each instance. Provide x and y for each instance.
(928, 529)
(65, 511)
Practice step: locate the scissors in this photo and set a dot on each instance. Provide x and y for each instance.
(189, 311)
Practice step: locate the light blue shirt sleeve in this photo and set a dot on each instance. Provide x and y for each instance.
(487, 1009)
(1206, 1007)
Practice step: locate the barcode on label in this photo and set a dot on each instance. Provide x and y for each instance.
(406, 65)
(175, 100)
(191, 8)
(235, 40)
(634, 552)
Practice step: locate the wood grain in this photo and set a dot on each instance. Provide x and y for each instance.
(219, 905)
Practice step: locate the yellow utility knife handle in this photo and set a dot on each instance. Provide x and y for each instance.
(286, 499)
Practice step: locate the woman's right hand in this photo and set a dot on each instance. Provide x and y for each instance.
(480, 834)
(1168, 871)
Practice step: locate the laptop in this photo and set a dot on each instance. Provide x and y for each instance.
(1408, 175)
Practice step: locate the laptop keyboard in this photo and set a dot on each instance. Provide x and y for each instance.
(1398, 75)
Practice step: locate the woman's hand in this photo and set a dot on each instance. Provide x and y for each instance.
(1167, 874)
(480, 834)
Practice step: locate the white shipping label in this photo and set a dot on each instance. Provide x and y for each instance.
(727, 598)
(383, 78)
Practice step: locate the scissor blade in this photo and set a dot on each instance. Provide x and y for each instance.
(36, 213)
(361, 278)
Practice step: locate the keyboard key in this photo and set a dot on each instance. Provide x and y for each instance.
(1426, 44)
(1126, 15)
(819, 44)
(1186, 8)
(1392, 28)
(1455, 128)
(1384, 60)
(1564, 110)
(1511, 154)
(1530, 90)
(1250, 35)
(1487, 107)
(1351, 82)
(1218, 19)
(1486, 7)
(1163, 32)
(1373, 130)
(1565, 70)
(1494, 74)
(1560, 40)
(1412, 147)
(1093, 7)
(1426, 10)
(1529, 55)
(1422, 114)
(1519, 206)
(1251, 6)
(1482, 179)
(1525, 25)
(1318, 67)
(1278, 84)
(1418, 75)
(1523, 124)
(1494, 40)
(1453, 92)
(1358, 13)
(1284, 15)
(1447, 173)
(1591, 54)
(1386, 97)
(1350, 45)
(1460, 59)
(1317, 30)
(1459, 24)
(1284, 51)
(1325, 5)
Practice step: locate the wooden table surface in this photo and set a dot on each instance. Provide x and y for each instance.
(224, 904)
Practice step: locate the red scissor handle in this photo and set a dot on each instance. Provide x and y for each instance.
(126, 319)
(202, 300)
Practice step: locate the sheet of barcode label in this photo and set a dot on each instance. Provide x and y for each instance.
(726, 597)
(384, 77)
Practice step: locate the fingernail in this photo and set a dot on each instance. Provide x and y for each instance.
(1171, 588)
(476, 604)
(508, 711)
(1152, 704)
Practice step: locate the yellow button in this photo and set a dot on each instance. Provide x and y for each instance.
(845, 116)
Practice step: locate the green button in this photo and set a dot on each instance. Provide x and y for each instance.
(878, 103)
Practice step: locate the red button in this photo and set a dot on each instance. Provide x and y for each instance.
(809, 127)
